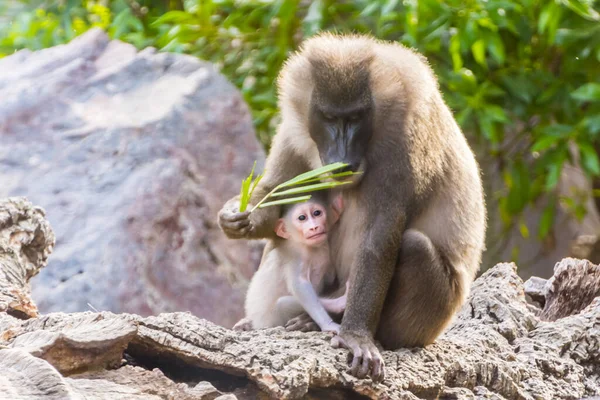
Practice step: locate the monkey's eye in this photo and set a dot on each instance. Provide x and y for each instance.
(302, 217)
(328, 117)
(354, 117)
(316, 213)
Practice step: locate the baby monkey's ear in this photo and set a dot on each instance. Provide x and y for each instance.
(280, 229)
(337, 206)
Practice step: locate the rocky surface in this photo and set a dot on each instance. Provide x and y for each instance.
(131, 154)
(499, 347)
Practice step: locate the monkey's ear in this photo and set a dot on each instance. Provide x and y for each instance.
(280, 229)
(337, 206)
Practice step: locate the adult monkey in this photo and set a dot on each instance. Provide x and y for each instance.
(412, 232)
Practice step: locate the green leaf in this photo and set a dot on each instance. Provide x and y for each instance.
(178, 17)
(332, 176)
(245, 190)
(587, 92)
(478, 49)
(589, 158)
(518, 195)
(557, 130)
(544, 143)
(524, 230)
(496, 48)
(553, 175)
(291, 200)
(389, 6)
(547, 219)
(487, 23)
(592, 124)
(545, 17)
(488, 128)
(457, 61)
(583, 9)
(310, 188)
(313, 174)
(496, 113)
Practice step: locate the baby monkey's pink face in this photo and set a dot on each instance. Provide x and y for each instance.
(309, 223)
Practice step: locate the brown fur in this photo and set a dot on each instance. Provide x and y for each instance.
(417, 218)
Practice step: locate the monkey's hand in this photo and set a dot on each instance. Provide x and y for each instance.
(235, 224)
(244, 324)
(302, 323)
(331, 327)
(365, 355)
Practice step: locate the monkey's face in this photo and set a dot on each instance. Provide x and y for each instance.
(307, 223)
(342, 131)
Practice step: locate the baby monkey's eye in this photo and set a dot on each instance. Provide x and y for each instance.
(316, 213)
(302, 217)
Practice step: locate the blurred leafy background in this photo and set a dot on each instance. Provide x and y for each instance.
(522, 76)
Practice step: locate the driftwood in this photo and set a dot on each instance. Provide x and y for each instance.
(499, 347)
(26, 241)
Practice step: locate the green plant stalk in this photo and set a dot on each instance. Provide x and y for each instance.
(245, 192)
(309, 176)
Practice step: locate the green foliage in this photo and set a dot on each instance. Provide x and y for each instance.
(522, 76)
(304, 183)
(247, 188)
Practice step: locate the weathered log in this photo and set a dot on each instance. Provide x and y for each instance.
(574, 285)
(498, 347)
(26, 241)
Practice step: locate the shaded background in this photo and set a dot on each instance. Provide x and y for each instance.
(522, 77)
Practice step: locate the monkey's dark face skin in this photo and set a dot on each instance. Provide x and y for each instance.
(341, 131)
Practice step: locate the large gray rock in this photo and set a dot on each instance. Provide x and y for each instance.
(131, 154)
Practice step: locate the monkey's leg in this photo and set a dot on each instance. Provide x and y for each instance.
(290, 310)
(288, 307)
(423, 295)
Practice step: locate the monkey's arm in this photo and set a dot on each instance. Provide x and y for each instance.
(373, 270)
(303, 290)
(283, 163)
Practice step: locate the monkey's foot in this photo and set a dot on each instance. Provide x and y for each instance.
(244, 324)
(302, 323)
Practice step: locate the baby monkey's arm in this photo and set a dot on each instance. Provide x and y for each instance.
(305, 294)
(336, 305)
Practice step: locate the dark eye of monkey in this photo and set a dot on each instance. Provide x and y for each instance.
(355, 117)
(302, 217)
(317, 213)
(328, 117)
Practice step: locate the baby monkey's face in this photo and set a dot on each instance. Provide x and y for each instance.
(309, 223)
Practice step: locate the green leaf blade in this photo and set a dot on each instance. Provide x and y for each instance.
(587, 92)
(310, 188)
(291, 200)
(313, 174)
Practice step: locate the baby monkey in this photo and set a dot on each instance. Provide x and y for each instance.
(291, 277)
